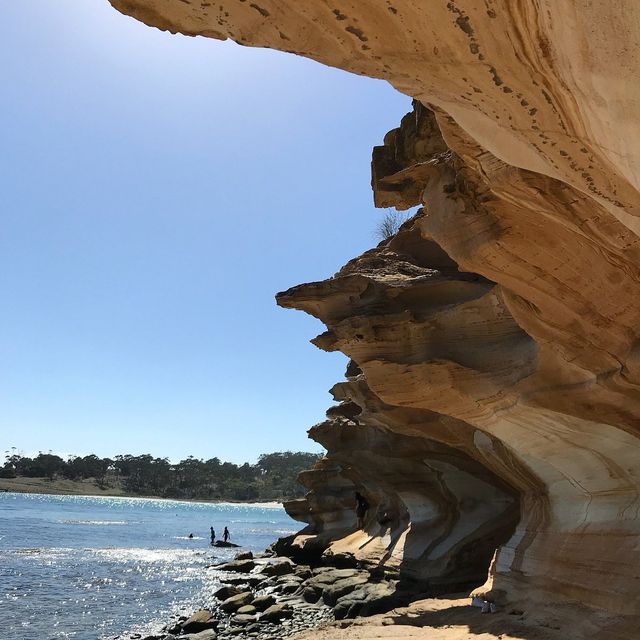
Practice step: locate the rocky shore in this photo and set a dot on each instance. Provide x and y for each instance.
(331, 597)
(268, 596)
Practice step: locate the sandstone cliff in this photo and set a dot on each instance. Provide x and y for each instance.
(495, 338)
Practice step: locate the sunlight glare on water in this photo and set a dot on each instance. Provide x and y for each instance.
(87, 567)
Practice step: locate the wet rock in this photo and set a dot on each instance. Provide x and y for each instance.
(227, 592)
(239, 566)
(251, 580)
(263, 602)
(235, 602)
(245, 555)
(276, 612)
(199, 621)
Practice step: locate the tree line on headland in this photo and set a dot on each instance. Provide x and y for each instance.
(273, 477)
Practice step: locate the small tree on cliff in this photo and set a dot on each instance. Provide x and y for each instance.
(390, 224)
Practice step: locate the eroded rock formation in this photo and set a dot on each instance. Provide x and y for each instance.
(436, 515)
(495, 338)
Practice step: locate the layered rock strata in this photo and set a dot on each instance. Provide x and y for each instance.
(440, 356)
(501, 325)
(436, 515)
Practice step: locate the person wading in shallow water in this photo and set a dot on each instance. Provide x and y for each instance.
(362, 506)
(226, 535)
(213, 535)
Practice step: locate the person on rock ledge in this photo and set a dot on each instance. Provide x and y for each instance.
(385, 516)
(213, 535)
(362, 506)
(226, 535)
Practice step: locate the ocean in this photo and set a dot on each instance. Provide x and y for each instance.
(92, 568)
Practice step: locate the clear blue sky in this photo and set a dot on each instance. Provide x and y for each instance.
(156, 192)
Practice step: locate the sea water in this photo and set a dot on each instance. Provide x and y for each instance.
(92, 568)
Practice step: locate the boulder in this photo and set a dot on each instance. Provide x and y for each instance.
(341, 588)
(368, 600)
(239, 566)
(242, 619)
(227, 592)
(277, 567)
(207, 634)
(263, 602)
(199, 621)
(311, 595)
(288, 578)
(288, 588)
(245, 555)
(322, 579)
(303, 571)
(276, 612)
(235, 602)
(307, 553)
(341, 560)
(248, 610)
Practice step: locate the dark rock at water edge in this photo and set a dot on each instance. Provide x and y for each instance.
(270, 598)
(200, 621)
(239, 566)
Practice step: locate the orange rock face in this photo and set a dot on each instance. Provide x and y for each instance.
(495, 337)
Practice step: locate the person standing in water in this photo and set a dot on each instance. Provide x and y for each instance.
(226, 535)
(213, 535)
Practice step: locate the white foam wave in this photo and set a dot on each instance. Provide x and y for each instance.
(95, 522)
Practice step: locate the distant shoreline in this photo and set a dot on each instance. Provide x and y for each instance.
(89, 488)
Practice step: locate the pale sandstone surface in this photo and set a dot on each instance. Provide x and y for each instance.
(549, 86)
(494, 340)
(449, 618)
